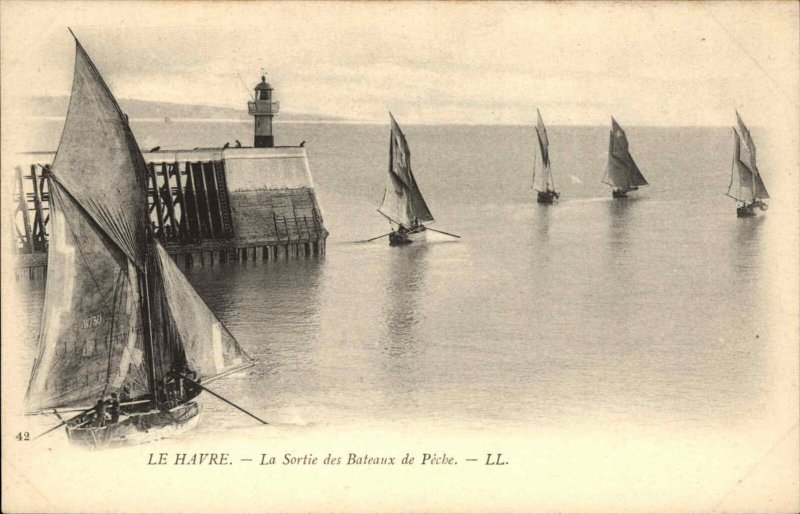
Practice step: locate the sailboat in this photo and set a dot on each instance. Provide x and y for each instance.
(403, 204)
(622, 174)
(545, 189)
(746, 185)
(119, 317)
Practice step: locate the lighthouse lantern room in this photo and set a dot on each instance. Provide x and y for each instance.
(263, 108)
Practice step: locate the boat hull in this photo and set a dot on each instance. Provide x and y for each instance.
(138, 428)
(745, 211)
(415, 235)
(547, 197)
(748, 210)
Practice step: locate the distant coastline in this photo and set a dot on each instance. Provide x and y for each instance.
(55, 108)
(43, 108)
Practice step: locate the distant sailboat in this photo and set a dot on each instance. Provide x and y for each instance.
(119, 317)
(622, 174)
(403, 203)
(545, 187)
(746, 185)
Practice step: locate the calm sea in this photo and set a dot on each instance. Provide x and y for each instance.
(645, 311)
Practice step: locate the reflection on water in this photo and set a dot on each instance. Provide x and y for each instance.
(619, 264)
(403, 344)
(745, 242)
(541, 222)
(620, 213)
(406, 277)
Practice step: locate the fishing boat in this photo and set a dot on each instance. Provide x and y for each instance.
(545, 188)
(746, 186)
(119, 320)
(403, 204)
(622, 174)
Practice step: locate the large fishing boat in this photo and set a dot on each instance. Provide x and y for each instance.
(545, 187)
(746, 185)
(120, 320)
(403, 204)
(621, 174)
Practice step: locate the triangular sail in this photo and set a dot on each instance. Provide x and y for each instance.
(741, 186)
(99, 162)
(621, 171)
(402, 200)
(747, 155)
(209, 349)
(90, 341)
(545, 178)
(761, 190)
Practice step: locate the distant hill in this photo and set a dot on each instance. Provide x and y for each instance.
(137, 109)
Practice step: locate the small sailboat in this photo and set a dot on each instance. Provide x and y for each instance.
(119, 320)
(545, 188)
(746, 184)
(403, 204)
(622, 174)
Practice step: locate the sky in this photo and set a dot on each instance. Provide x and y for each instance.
(449, 62)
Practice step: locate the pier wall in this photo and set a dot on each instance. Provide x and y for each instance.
(208, 206)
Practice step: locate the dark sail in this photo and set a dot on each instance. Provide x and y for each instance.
(402, 199)
(746, 184)
(761, 190)
(90, 342)
(747, 155)
(545, 182)
(99, 162)
(621, 171)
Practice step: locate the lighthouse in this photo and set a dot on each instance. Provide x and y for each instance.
(263, 108)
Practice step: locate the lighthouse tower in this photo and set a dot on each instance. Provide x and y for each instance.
(263, 108)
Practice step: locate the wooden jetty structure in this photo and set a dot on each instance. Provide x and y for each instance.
(207, 206)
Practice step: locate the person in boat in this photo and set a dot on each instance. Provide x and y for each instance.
(176, 388)
(113, 408)
(100, 413)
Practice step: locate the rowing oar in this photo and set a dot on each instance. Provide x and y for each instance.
(374, 238)
(443, 232)
(204, 388)
(87, 411)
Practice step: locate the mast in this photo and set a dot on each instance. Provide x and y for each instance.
(733, 162)
(144, 302)
(544, 152)
(753, 184)
(533, 179)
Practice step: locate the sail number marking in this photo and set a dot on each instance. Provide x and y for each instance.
(91, 321)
